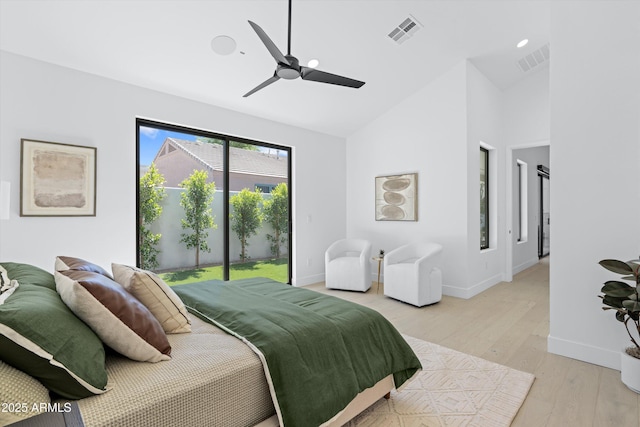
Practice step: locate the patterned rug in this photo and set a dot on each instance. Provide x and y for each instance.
(453, 389)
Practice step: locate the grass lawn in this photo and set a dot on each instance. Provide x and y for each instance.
(276, 269)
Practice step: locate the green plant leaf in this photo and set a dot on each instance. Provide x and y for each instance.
(617, 289)
(631, 305)
(620, 316)
(634, 264)
(614, 302)
(616, 266)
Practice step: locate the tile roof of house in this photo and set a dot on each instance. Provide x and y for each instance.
(240, 160)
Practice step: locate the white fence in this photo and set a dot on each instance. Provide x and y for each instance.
(174, 254)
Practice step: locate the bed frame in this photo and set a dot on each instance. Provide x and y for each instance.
(362, 401)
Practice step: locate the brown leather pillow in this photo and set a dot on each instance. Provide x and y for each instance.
(117, 317)
(72, 263)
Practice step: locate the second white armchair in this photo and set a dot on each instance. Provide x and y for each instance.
(412, 273)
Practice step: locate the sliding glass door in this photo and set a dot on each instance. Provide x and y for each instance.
(258, 211)
(211, 207)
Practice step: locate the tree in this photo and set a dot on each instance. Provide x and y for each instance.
(196, 201)
(236, 144)
(246, 217)
(151, 194)
(276, 213)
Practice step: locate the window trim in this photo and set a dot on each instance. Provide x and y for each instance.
(487, 203)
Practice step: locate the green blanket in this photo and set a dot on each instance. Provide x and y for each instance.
(318, 351)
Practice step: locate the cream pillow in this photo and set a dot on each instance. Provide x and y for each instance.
(156, 295)
(21, 395)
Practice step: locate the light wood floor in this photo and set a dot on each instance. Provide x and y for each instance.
(509, 324)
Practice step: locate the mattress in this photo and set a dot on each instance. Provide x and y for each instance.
(212, 379)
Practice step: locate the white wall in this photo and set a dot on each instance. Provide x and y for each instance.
(426, 133)
(484, 125)
(526, 111)
(437, 132)
(595, 144)
(46, 102)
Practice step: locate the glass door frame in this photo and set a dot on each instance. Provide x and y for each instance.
(141, 122)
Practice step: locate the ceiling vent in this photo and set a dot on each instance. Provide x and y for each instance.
(535, 59)
(405, 30)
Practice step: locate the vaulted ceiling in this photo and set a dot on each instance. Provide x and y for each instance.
(166, 46)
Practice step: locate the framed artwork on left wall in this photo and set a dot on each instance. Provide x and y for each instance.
(57, 179)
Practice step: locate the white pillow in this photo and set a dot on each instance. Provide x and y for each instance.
(156, 295)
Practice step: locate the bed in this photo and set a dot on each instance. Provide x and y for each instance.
(212, 377)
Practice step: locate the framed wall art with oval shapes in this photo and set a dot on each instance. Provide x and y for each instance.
(397, 197)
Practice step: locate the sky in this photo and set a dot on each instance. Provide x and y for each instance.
(151, 140)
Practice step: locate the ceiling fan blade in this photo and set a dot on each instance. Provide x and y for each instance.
(273, 49)
(324, 77)
(262, 85)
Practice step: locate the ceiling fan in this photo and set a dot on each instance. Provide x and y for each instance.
(288, 67)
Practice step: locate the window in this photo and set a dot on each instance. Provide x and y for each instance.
(200, 213)
(484, 198)
(523, 197)
(265, 188)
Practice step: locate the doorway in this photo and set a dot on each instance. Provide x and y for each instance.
(544, 226)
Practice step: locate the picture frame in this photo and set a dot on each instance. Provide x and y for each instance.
(396, 197)
(57, 179)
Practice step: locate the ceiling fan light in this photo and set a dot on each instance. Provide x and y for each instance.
(287, 73)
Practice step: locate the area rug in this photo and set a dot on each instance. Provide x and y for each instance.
(453, 389)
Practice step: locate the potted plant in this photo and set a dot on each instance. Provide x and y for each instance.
(624, 299)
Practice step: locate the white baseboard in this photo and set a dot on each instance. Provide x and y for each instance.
(467, 293)
(530, 263)
(586, 353)
(308, 280)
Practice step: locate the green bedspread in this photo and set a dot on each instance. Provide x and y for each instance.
(319, 351)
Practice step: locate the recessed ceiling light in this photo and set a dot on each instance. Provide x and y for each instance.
(313, 63)
(522, 43)
(223, 45)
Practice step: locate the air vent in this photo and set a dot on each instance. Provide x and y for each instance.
(405, 30)
(535, 59)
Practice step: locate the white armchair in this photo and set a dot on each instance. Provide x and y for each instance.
(412, 273)
(347, 265)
